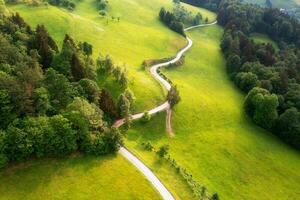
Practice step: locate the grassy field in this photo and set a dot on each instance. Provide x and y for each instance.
(214, 139)
(261, 38)
(111, 177)
(139, 35)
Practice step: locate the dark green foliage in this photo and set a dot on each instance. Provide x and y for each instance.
(101, 4)
(146, 117)
(173, 96)
(90, 90)
(6, 109)
(77, 68)
(170, 20)
(288, 127)
(262, 106)
(124, 106)
(215, 196)
(86, 48)
(163, 151)
(45, 46)
(33, 96)
(69, 4)
(41, 100)
(60, 89)
(246, 81)
(3, 146)
(107, 104)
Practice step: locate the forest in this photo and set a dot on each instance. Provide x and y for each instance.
(50, 101)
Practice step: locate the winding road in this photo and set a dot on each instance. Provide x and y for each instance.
(165, 194)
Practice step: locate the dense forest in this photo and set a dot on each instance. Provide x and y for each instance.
(51, 103)
(270, 77)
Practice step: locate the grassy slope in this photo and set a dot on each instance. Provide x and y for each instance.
(261, 38)
(111, 177)
(138, 36)
(214, 139)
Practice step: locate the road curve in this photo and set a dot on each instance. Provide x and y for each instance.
(163, 191)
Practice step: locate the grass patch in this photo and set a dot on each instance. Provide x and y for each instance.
(262, 38)
(79, 177)
(215, 141)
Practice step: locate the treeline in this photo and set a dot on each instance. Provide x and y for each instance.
(179, 17)
(69, 4)
(270, 77)
(50, 100)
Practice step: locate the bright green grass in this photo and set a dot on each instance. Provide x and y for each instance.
(214, 139)
(110, 177)
(138, 36)
(261, 38)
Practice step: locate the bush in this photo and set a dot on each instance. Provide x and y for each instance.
(146, 117)
(163, 151)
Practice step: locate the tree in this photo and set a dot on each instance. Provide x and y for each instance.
(6, 109)
(173, 96)
(124, 106)
(41, 100)
(89, 112)
(61, 91)
(64, 140)
(246, 80)
(106, 103)
(265, 112)
(162, 13)
(146, 117)
(77, 68)
(19, 142)
(288, 127)
(45, 46)
(249, 103)
(163, 151)
(90, 89)
(215, 196)
(3, 157)
(233, 63)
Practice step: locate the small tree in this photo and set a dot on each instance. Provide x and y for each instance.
(146, 117)
(173, 96)
(163, 151)
(215, 196)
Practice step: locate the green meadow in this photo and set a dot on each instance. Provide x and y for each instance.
(78, 177)
(261, 38)
(214, 139)
(138, 36)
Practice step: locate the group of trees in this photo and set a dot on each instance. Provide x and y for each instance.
(270, 77)
(69, 4)
(176, 19)
(101, 6)
(50, 100)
